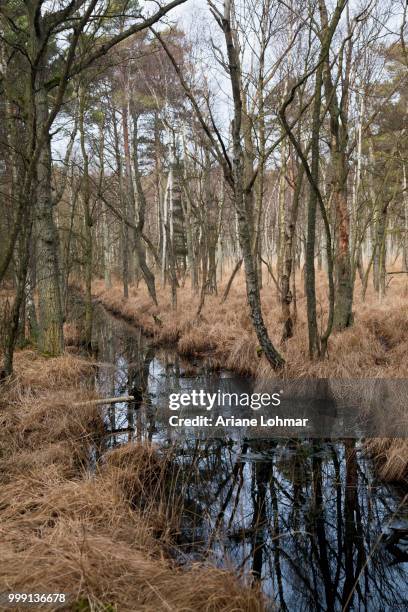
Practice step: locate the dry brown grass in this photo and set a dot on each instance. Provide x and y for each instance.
(391, 455)
(375, 347)
(99, 534)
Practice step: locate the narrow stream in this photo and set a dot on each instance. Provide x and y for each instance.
(308, 518)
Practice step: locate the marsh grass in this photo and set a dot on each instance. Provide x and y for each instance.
(101, 533)
(374, 347)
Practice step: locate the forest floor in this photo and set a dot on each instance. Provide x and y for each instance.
(102, 531)
(376, 346)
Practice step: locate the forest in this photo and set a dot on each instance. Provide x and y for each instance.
(193, 188)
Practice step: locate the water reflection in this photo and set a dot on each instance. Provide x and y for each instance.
(305, 517)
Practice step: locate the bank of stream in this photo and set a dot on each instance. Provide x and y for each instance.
(309, 519)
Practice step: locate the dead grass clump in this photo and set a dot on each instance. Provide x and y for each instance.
(22, 462)
(100, 568)
(40, 422)
(386, 322)
(42, 373)
(147, 481)
(196, 342)
(391, 455)
(169, 334)
(39, 425)
(137, 470)
(45, 497)
(244, 355)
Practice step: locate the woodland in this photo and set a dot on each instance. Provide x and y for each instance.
(272, 139)
(227, 180)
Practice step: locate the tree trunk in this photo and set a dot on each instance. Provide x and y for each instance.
(310, 280)
(15, 319)
(88, 255)
(338, 111)
(288, 253)
(343, 313)
(141, 208)
(123, 206)
(243, 200)
(405, 236)
(51, 338)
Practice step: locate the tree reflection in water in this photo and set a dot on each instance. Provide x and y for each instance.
(306, 518)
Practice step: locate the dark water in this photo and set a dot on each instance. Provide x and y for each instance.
(307, 518)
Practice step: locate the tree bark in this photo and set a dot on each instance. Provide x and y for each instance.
(51, 338)
(141, 208)
(288, 252)
(124, 208)
(338, 111)
(88, 255)
(242, 201)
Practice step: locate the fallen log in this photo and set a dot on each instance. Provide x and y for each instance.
(105, 400)
(124, 430)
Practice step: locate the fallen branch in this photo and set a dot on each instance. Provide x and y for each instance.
(269, 268)
(114, 432)
(105, 400)
(229, 284)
